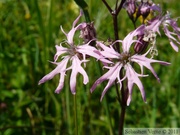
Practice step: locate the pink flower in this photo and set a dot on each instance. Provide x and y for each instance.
(123, 61)
(74, 55)
(166, 22)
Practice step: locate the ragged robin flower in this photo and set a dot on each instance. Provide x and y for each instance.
(73, 54)
(124, 61)
(165, 22)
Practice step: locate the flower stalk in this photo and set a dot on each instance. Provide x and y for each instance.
(75, 114)
(122, 100)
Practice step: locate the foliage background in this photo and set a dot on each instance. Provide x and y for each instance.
(29, 30)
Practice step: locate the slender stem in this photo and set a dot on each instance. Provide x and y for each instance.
(108, 116)
(40, 21)
(115, 19)
(120, 6)
(68, 110)
(124, 95)
(134, 24)
(122, 118)
(117, 1)
(124, 91)
(116, 35)
(107, 5)
(115, 23)
(49, 18)
(75, 115)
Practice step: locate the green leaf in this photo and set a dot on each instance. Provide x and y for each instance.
(82, 4)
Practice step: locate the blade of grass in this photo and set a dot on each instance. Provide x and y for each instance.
(57, 109)
(40, 21)
(49, 19)
(68, 106)
(153, 112)
(75, 114)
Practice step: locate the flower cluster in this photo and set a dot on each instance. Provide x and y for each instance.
(140, 8)
(134, 50)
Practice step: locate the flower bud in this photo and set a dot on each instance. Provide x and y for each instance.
(141, 45)
(130, 7)
(144, 10)
(88, 33)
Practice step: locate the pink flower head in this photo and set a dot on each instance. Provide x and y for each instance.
(165, 21)
(168, 22)
(123, 61)
(75, 55)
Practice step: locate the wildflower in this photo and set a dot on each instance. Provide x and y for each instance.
(76, 55)
(123, 61)
(166, 22)
(170, 22)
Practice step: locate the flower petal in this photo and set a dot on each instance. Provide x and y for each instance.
(132, 78)
(112, 78)
(70, 34)
(111, 75)
(61, 66)
(76, 68)
(108, 52)
(87, 50)
(144, 61)
(61, 83)
(59, 51)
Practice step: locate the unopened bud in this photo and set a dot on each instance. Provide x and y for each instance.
(144, 10)
(88, 33)
(130, 7)
(141, 45)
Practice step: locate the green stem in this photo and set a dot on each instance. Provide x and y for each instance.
(68, 108)
(40, 21)
(109, 117)
(75, 114)
(153, 115)
(123, 110)
(49, 18)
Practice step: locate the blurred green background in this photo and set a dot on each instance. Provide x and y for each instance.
(29, 31)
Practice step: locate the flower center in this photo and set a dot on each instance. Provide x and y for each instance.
(124, 58)
(72, 51)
